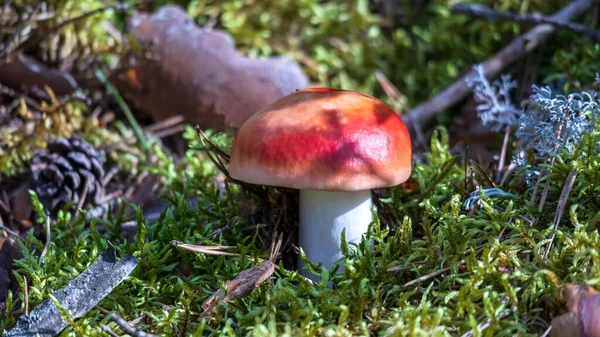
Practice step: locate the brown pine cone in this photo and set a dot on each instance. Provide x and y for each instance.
(70, 169)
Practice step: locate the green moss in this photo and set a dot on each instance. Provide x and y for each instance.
(436, 270)
(487, 263)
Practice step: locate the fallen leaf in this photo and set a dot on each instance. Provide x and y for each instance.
(185, 69)
(24, 74)
(588, 312)
(21, 207)
(240, 287)
(575, 293)
(583, 318)
(565, 325)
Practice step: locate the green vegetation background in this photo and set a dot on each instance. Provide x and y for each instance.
(492, 255)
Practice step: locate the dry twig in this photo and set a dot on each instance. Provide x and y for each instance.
(503, 153)
(483, 12)
(547, 332)
(128, 329)
(516, 49)
(429, 276)
(246, 282)
(26, 289)
(484, 325)
(562, 203)
(45, 250)
(209, 250)
(109, 331)
(394, 94)
(242, 286)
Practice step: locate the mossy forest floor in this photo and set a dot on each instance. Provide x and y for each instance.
(433, 268)
(466, 247)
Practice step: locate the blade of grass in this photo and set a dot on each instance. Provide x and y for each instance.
(134, 124)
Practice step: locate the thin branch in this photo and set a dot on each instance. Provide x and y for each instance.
(45, 250)
(164, 124)
(394, 94)
(562, 203)
(547, 332)
(9, 231)
(209, 250)
(494, 65)
(128, 329)
(405, 267)
(109, 331)
(428, 276)
(503, 153)
(484, 325)
(483, 12)
(26, 289)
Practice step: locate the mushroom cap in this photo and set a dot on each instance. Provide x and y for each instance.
(323, 139)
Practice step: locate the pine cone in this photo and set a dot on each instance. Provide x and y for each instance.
(68, 169)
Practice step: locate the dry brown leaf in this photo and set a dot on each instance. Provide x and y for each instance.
(185, 69)
(28, 76)
(565, 325)
(575, 293)
(583, 318)
(242, 286)
(588, 312)
(22, 207)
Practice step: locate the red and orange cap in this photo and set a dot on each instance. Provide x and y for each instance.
(323, 139)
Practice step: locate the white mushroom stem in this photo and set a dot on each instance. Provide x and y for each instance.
(323, 216)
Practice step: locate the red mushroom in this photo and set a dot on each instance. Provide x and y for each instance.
(334, 146)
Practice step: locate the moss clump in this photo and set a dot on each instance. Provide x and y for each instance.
(437, 270)
(432, 268)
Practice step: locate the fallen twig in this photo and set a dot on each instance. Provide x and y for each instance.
(210, 250)
(405, 267)
(109, 331)
(78, 297)
(164, 124)
(516, 49)
(503, 153)
(394, 94)
(128, 329)
(26, 290)
(547, 332)
(45, 250)
(483, 12)
(214, 153)
(562, 203)
(428, 276)
(484, 325)
(245, 283)
(8, 230)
